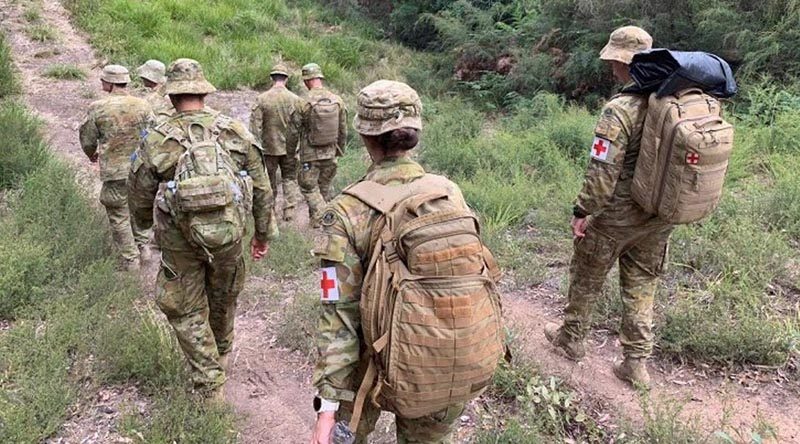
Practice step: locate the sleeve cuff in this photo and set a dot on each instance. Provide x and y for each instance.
(334, 394)
(579, 212)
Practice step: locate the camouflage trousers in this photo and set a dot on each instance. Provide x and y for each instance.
(316, 184)
(438, 428)
(198, 297)
(127, 237)
(291, 191)
(641, 251)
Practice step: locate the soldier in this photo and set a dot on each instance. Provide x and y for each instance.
(153, 76)
(202, 266)
(324, 135)
(109, 135)
(274, 122)
(608, 225)
(343, 248)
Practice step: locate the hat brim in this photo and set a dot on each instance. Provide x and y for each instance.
(377, 127)
(313, 76)
(279, 73)
(117, 80)
(189, 87)
(610, 53)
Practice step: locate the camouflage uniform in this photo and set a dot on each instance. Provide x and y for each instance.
(196, 293)
(274, 121)
(344, 243)
(618, 229)
(111, 132)
(154, 71)
(318, 163)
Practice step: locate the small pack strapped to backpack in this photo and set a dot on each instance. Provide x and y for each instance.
(685, 148)
(430, 309)
(209, 197)
(323, 122)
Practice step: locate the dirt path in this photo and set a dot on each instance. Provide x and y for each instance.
(269, 387)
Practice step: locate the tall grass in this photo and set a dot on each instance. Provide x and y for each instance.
(8, 81)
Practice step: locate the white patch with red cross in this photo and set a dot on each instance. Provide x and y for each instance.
(692, 158)
(329, 285)
(600, 148)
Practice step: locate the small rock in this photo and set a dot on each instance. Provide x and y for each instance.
(465, 418)
(108, 410)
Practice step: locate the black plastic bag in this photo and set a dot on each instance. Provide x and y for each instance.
(666, 72)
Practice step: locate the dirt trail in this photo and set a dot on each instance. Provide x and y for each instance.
(269, 387)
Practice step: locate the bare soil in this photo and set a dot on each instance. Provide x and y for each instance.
(269, 387)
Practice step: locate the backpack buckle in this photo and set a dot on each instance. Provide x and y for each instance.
(390, 251)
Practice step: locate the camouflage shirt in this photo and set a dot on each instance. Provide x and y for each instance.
(307, 151)
(344, 243)
(275, 120)
(112, 130)
(618, 134)
(154, 163)
(160, 103)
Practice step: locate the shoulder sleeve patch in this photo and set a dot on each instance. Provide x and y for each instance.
(330, 247)
(607, 129)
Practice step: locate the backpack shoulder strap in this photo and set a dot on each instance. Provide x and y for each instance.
(384, 197)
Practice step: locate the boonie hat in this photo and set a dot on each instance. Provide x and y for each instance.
(116, 74)
(625, 42)
(312, 71)
(152, 70)
(387, 105)
(279, 69)
(185, 76)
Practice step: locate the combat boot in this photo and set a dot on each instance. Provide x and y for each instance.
(634, 372)
(574, 350)
(131, 265)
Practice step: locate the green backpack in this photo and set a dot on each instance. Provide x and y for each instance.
(209, 196)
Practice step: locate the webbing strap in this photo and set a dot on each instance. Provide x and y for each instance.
(384, 197)
(361, 396)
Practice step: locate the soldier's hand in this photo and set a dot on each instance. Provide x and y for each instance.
(579, 226)
(323, 428)
(258, 250)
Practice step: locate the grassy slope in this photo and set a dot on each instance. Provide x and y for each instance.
(77, 322)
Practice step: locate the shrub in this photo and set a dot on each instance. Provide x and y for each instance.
(41, 33)
(8, 81)
(23, 150)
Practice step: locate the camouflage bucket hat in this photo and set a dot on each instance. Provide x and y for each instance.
(387, 105)
(279, 69)
(185, 76)
(312, 71)
(625, 42)
(116, 74)
(152, 70)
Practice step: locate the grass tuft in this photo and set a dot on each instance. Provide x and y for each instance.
(41, 33)
(65, 72)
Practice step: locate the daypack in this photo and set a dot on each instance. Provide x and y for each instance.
(683, 157)
(430, 310)
(209, 196)
(323, 122)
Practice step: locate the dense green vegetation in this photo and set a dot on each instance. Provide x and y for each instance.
(76, 323)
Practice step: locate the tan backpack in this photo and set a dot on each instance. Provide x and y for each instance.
(323, 122)
(683, 158)
(429, 305)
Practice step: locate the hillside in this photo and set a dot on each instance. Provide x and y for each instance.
(728, 320)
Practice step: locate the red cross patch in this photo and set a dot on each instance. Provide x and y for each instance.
(329, 285)
(692, 158)
(600, 148)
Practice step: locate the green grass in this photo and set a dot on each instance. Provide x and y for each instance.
(41, 33)
(237, 40)
(65, 72)
(8, 80)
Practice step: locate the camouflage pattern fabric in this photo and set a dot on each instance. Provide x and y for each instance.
(197, 295)
(618, 229)
(112, 130)
(128, 238)
(316, 184)
(160, 104)
(275, 120)
(343, 243)
(308, 152)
